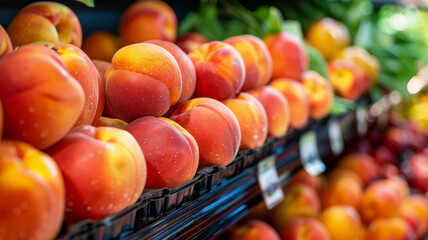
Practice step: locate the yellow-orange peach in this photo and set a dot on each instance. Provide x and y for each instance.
(341, 222)
(171, 153)
(111, 122)
(347, 79)
(214, 127)
(104, 171)
(257, 60)
(32, 206)
(340, 173)
(414, 210)
(220, 70)
(361, 164)
(147, 20)
(254, 230)
(289, 56)
(101, 45)
(399, 183)
(41, 100)
(320, 94)
(191, 41)
(145, 81)
(341, 191)
(303, 177)
(5, 43)
(49, 21)
(252, 119)
(188, 73)
(297, 99)
(394, 228)
(304, 229)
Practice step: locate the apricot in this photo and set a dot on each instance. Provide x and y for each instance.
(5, 43)
(41, 100)
(414, 210)
(32, 187)
(214, 127)
(347, 79)
(254, 230)
(297, 99)
(147, 20)
(257, 60)
(145, 81)
(104, 171)
(252, 119)
(289, 56)
(48, 21)
(190, 41)
(101, 45)
(394, 228)
(341, 222)
(319, 92)
(361, 164)
(304, 229)
(220, 70)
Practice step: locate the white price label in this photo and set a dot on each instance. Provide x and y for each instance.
(335, 135)
(269, 182)
(361, 120)
(309, 154)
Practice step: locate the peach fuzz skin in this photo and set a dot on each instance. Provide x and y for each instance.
(104, 171)
(101, 45)
(145, 80)
(214, 127)
(147, 20)
(48, 21)
(42, 103)
(220, 70)
(257, 60)
(277, 109)
(171, 153)
(254, 230)
(191, 41)
(304, 229)
(297, 99)
(35, 193)
(5, 43)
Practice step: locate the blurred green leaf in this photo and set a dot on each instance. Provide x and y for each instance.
(89, 3)
(341, 106)
(316, 61)
(292, 26)
(376, 94)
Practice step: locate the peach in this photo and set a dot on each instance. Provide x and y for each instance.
(104, 171)
(103, 68)
(101, 45)
(328, 36)
(254, 230)
(220, 70)
(416, 171)
(361, 164)
(188, 72)
(304, 229)
(303, 177)
(339, 173)
(190, 41)
(380, 200)
(145, 81)
(48, 21)
(147, 20)
(341, 222)
(320, 94)
(399, 183)
(111, 122)
(343, 190)
(347, 79)
(414, 210)
(277, 109)
(289, 56)
(32, 187)
(394, 228)
(252, 119)
(257, 60)
(297, 99)
(1, 120)
(5, 43)
(41, 100)
(299, 201)
(214, 127)
(171, 153)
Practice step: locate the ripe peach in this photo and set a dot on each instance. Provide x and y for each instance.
(394, 228)
(101, 45)
(399, 183)
(254, 230)
(257, 60)
(320, 94)
(252, 119)
(49, 21)
(104, 171)
(304, 229)
(145, 80)
(297, 99)
(111, 122)
(85, 72)
(361, 164)
(347, 79)
(188, 72)
(1, 120)
(32, 187)
(171, 153)
(328, 36)
(5, 43)
(341, 222)
(303, 177)
(191, 41)
(414, 210)
(147, 20)
(339, 173)
(214, 127)
(299, 201)
(343, 190)
(289, 56)
(41, 100)
(220, 70)
(277, 109)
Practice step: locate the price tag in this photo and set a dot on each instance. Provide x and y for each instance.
(309, 154)
(269, 182)
(335, 135)
(361, 120)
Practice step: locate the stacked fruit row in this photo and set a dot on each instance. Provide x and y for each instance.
(83, 138)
